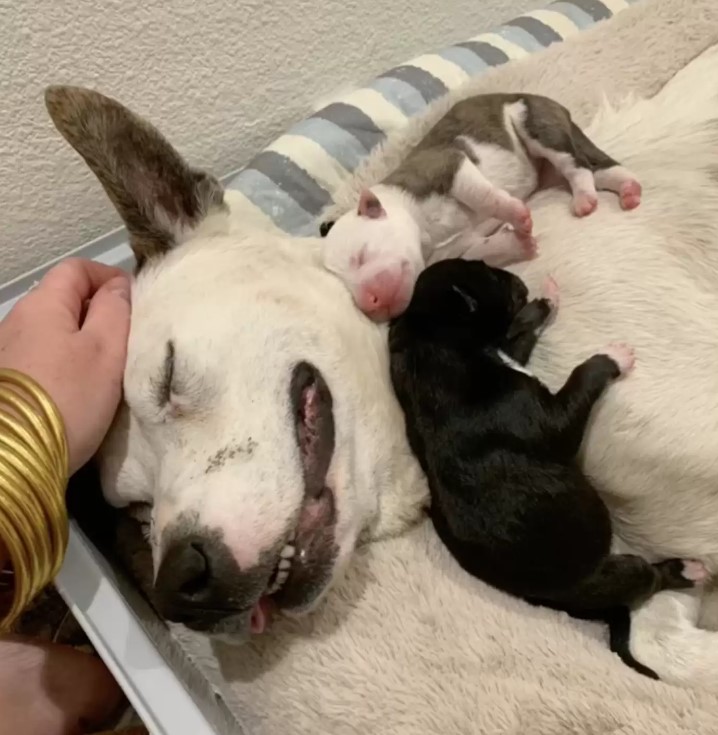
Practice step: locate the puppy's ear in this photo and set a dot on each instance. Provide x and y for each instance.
(325, 227)
(369, 205)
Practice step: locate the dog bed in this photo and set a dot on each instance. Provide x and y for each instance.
(292, 180)
(395, 649)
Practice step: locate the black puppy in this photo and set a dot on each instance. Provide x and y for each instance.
(499, 449)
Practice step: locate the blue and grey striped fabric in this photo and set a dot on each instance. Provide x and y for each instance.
(291, 181)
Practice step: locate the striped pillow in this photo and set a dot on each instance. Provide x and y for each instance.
(291, 181)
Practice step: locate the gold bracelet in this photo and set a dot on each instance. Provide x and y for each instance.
(34, 467)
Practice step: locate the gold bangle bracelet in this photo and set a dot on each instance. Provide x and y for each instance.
(34, 468)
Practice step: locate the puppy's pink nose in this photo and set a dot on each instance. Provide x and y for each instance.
(376, 296)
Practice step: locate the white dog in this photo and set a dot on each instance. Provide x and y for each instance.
(265, 457)
(260, 422)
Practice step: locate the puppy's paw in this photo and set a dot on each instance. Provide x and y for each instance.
(681, 573)
(529, 247)
(515, 213)
(515, 247)
(695, 571)
(623, 355)
(584, 203)
(630, 194)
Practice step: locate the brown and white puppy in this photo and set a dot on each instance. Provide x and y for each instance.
(461, 193)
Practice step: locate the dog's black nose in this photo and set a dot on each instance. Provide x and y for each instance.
(185, 584)
(198, 582)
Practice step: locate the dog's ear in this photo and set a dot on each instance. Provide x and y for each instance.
(369, 205)
(325, 227)
(159, 197)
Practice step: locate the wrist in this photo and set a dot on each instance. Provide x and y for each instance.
(33, 477)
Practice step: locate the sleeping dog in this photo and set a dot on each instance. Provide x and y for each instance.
(499, 449)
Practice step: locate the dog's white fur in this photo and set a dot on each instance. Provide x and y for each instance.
(229, 299)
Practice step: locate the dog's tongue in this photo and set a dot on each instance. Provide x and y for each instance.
(260, 615)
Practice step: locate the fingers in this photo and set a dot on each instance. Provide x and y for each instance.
(108, 318)
(83, 276)
(71, 283)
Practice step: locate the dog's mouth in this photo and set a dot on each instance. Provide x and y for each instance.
(306, 560)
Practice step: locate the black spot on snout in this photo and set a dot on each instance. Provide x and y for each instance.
(229, 452)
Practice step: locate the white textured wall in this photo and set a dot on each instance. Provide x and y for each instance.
(220, 78)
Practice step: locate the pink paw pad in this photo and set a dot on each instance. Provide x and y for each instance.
(630, 194)
(518, 215)
(550, 291)
(694, 571)
(584, 203)
(529, 247)
(623, 355)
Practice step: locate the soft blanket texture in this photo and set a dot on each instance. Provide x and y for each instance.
(408, 643)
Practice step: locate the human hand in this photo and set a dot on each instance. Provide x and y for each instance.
(70, 334)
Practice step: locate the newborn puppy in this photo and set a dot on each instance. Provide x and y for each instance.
(499, 449)
(461, 193)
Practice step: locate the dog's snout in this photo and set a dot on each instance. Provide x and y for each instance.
(185, 574)
(186, 586)
(198, 583)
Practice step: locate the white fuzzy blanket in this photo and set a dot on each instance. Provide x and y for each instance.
(408, 644)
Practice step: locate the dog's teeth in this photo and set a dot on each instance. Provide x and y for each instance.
(282, 575)
(282, 572)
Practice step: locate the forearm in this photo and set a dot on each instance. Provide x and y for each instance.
(33, 477)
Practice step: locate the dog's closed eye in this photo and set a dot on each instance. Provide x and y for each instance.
(179, 389)
(167, 398)
(357, 261)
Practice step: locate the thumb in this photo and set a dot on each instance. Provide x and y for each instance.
(108, 317)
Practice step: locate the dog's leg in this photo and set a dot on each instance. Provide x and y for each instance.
(529, 324)
(548, 132)
(608, 175)
(572, 404)
(499, 249)
(626, 580)
(475, 191)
